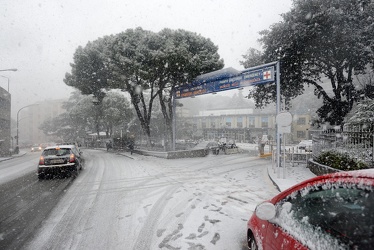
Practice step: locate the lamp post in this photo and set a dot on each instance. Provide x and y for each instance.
(8, 81)
(17, 137)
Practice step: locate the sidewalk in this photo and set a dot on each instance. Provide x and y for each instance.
(293, 175)
(21, 153)
(282, 179)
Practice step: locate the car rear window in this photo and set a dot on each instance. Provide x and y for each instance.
(56, 151)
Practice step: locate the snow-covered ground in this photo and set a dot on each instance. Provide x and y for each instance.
(123, 201)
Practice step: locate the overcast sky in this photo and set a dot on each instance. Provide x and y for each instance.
(39, 37)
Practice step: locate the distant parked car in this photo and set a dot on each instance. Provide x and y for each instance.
(60, 160)
(306, 145)
(214, 147)
(333, 211)
(36, 147)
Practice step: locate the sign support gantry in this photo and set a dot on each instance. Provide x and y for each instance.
(228, 79)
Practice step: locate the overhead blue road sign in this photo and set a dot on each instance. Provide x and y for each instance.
(215, 81)
(258, 76)
(226, 79)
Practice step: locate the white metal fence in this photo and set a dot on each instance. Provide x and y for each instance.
(355, 141)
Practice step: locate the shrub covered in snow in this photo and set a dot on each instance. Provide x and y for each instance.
(340, 161)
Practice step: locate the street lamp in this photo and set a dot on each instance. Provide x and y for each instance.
(8, 81)
(18, 120)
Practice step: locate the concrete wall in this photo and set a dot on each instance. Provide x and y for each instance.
(175, 154)
(319, 169)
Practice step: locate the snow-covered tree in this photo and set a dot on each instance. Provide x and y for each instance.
(253, 58)
(146, 65)
(363, 116)
(116, 112)
(183, 56)
(82, 116)
(366, 84)
(89, 72)
(74, 123)
(320, 42)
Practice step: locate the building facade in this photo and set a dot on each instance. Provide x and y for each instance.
(5, 136)
(240, 125)
(301, 128)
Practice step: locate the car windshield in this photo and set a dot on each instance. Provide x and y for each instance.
(138, 124)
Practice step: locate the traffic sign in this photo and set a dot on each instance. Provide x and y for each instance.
(284, 119)
(257, 76)
(227, 79)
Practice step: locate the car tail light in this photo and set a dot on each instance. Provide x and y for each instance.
(72, 158)
(41, 160)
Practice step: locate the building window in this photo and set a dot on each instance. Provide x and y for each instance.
(300, 134)
(251, 121)
(239, 122)
(301, 121)
(203, 124)
(228, 122)
(212, 124)
(264, 122)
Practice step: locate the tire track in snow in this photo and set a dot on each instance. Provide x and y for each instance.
(149, 226)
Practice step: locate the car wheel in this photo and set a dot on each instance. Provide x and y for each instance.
(41, 176)
(75, 172)
(252, 245)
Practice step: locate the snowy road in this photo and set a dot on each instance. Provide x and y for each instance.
(19, 166)
(118, 202)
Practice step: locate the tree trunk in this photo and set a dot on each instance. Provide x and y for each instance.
(167, 112)
(143, 118)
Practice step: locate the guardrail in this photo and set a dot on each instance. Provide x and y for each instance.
(292, 156)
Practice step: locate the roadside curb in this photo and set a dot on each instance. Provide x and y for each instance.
(272, 180)
(128, 156)
(271, 177)
(284, 178)
(116, 152)
(12, 157)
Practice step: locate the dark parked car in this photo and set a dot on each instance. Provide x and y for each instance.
(333, 211)
(60, 160)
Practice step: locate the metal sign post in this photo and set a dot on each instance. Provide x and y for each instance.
(284, 120)
(278, 111)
